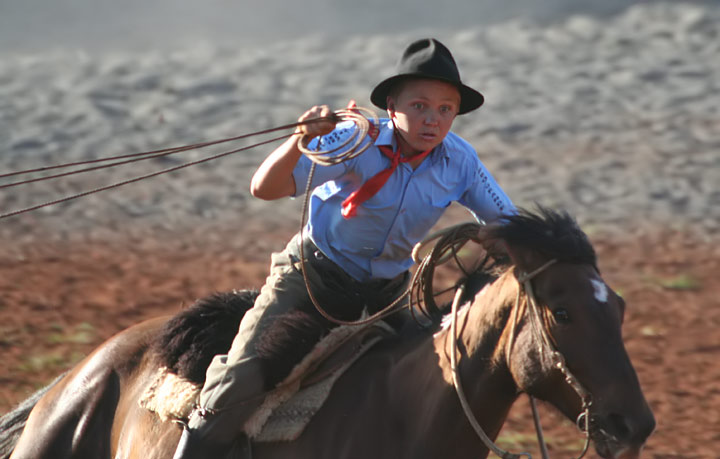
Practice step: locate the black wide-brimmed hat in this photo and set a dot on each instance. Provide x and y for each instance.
(428, 58)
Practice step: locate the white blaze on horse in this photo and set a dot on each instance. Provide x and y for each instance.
(398, 399)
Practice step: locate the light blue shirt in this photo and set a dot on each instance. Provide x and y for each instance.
(378, 241)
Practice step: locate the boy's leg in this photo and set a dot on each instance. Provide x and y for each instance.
(236, 384)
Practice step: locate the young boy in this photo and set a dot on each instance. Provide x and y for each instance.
(358, 238)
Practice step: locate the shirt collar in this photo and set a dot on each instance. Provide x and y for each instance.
(386, 137)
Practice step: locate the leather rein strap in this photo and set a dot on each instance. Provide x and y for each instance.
(545, 344)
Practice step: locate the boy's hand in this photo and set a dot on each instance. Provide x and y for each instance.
(319, 128)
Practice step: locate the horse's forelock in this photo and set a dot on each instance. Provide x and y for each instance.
(550, 233)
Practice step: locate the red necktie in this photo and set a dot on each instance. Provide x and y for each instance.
(374, 183)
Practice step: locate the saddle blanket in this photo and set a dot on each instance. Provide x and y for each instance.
(287, 409)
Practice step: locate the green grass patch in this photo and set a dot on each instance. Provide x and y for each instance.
(591, 229)
(679, 282)
(83, 333)
(649, 330)
(42, 362)
(10, 336)
(516, 441)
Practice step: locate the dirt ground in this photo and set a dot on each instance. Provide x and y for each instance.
(59, 301)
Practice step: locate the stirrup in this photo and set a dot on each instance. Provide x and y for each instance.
(240, 448)
(183, 446)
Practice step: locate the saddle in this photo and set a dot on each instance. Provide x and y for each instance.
(289, 407)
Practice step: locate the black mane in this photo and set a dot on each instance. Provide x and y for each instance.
(189, 341)
(550, 233)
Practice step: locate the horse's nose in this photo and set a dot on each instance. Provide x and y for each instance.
(618, 426)
(630, 430)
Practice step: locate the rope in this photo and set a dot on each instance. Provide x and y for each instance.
(357, 146)
(538, 428)
(449, 242)
(461, 393)
(164, 151)
(138, 157)
(137, 179)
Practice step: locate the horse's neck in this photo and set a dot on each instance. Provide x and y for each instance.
(480, 327)
(484, 374)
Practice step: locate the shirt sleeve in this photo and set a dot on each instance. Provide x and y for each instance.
(342, 133)
(484, 197)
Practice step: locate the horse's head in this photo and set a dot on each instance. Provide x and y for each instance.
(565, 306)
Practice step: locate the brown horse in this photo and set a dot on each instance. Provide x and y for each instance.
(398, 400)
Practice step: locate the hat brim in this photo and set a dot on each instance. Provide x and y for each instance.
(470, 99)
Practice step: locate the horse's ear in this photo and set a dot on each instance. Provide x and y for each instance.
(522, 258)
(525, 260)
(494, 245)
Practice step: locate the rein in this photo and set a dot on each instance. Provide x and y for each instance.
(545, 341)
(461, 393)
(558, 361)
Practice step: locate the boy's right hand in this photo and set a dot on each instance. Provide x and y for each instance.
(319, 128)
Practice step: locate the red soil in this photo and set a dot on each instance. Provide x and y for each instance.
(59, 301)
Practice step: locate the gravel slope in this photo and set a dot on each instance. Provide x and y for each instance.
(614, 119)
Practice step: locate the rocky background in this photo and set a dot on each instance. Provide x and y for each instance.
(612, 116)
(614, 119)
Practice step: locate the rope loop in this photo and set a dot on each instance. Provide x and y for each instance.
(352, 147)
(447, 247)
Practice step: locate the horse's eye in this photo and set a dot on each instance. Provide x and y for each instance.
(561, 316)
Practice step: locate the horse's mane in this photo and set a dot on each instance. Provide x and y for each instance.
(549, 233)
(188, 342)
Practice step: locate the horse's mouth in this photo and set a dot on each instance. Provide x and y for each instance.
(607, 446)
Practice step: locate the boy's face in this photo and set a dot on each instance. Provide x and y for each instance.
(423, 112)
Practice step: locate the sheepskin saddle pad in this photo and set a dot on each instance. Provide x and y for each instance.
(288, 408)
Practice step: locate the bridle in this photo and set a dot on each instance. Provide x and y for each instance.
(545, 345)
